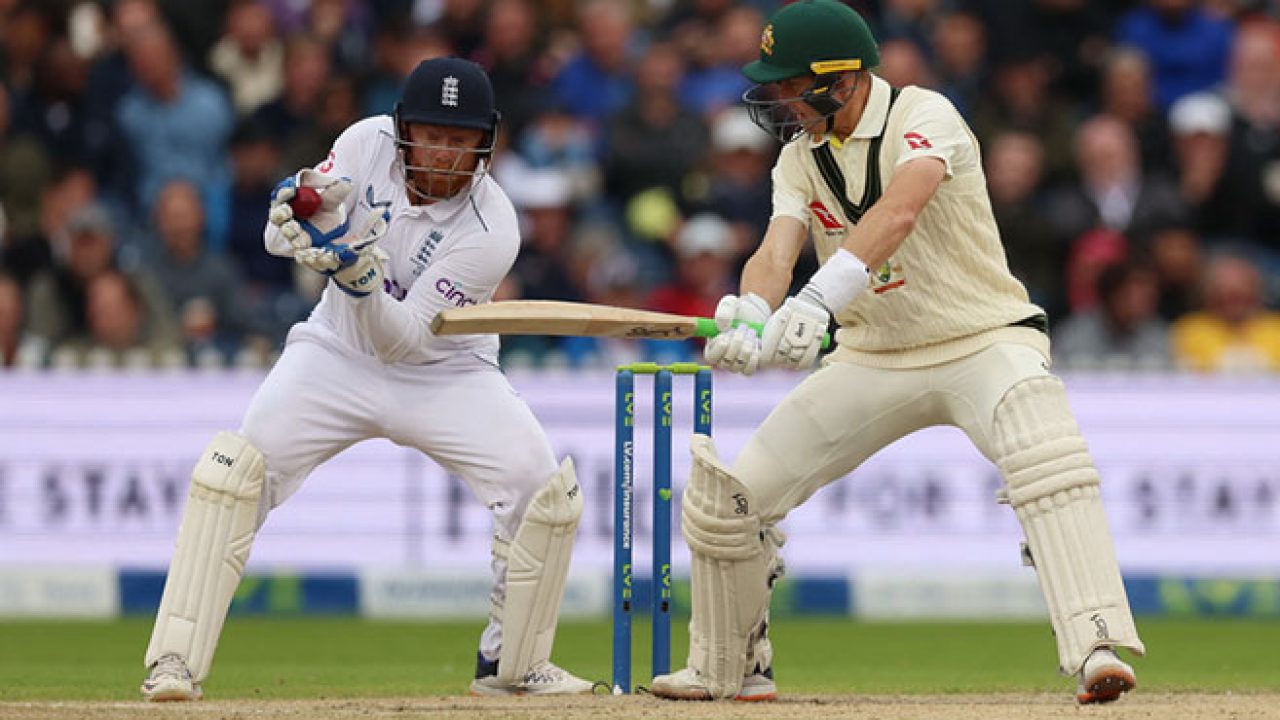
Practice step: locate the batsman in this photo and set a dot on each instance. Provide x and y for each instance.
(933, 330)
(408, 223)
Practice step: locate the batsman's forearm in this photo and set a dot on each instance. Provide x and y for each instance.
(768, 271)
(765, 278)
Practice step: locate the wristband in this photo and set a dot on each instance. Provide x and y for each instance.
(840, 279)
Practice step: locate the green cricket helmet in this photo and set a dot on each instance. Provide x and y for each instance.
(818, 38)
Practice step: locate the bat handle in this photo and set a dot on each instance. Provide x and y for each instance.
(706, 328)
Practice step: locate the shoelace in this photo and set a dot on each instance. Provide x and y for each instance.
(172, 666)
(546, 673)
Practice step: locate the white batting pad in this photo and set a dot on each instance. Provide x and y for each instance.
(218, 526)
(537, 564)
(1054, 489)
(732, 563)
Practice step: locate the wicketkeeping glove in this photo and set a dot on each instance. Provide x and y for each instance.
(356, 267)
(737, 347)
(326, 225)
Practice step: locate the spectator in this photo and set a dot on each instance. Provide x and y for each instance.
(557, 139)
(654, 143)
(1253, 164)
(1234, 333)
(52, 109)
(1113, 192)
(1127, 94)
(544, 199)
(1188, 47)
(249, 57)
(1015, 167)
(346, 27)
(11, 322)
(704, 248)
(715, 80)
(176, 124)
(1175, 253)
(116, 333)
(739, 190)
(510, 54)
(57, 299)
(960, 49)
(339, 107)
(109, 80)
(1123, 332)
(306, 67)
(25, 170)
(1088, 255)
(1201, 125)
(24, 35)
(203, 287)
(1020, 100)
(595, 83)
(903, 63)
(270, 297)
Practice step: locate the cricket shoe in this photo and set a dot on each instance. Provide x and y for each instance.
(1104, 678)
(544, 678)
(687, 684)
(170, 681)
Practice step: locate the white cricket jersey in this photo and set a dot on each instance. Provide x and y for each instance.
(447, 254)
(947, 290)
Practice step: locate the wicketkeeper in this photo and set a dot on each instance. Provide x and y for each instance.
(934, 330)
(409, 224)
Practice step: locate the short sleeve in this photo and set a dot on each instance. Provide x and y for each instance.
(933, 128)
(791, 190)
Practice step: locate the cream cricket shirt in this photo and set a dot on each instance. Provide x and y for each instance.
(448, 254)
(947, 292)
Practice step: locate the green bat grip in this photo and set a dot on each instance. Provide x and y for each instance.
(706, 328)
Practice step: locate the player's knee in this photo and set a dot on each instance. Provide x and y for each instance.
(770, 480)
(1038, 445)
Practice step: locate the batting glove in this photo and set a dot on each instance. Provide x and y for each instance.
(792, 336)
(326, 225)
(737, 347)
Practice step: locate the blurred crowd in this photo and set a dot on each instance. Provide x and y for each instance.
(1132, 151)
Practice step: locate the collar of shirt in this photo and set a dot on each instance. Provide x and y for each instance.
(874, 115)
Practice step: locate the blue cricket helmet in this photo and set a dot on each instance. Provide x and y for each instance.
(448, 91)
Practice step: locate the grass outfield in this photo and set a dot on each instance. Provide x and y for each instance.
(335, 658)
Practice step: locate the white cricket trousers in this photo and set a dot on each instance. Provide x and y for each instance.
(321, 398)
(843, 414)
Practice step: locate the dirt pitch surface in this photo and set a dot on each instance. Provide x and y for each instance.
(819, 707)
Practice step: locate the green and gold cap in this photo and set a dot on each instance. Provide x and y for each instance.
(813, 36)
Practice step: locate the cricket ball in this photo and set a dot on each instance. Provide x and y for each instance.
(305, 202)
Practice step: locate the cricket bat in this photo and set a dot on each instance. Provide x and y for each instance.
(552, 317)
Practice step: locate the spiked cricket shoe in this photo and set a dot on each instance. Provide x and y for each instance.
(687, 684)
(544, 678)
(170, 681)
(1104, 678)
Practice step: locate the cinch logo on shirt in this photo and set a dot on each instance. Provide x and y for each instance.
(452, 293)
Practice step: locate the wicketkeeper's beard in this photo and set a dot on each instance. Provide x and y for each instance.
(437, 184)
